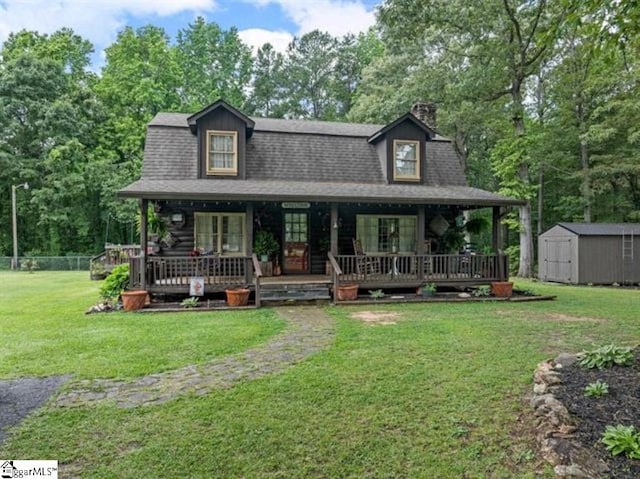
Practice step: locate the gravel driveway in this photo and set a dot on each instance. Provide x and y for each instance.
(18, 397)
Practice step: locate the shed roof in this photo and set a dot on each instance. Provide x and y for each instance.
(602, 229)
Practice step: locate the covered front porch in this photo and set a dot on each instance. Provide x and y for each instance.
(376, 245)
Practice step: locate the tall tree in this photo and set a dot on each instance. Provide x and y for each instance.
(214, 63)
(268, 95)
(45, 108)
(310, 64)
(499, 45)
(140, 78)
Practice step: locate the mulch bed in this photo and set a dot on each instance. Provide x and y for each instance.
(620, 406)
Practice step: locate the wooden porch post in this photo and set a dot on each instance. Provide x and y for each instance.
(334, 229)
(495, 233)
(144, 206)
(249, 228)
(422, 219)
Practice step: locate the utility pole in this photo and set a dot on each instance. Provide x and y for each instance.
(14, 221)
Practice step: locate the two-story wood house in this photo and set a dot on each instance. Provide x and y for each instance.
(371, 202)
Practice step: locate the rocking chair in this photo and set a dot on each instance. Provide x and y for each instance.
(365, 264)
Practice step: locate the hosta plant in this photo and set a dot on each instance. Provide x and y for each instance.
(188, 303)
(597, 389)
(606, 357)
(622, 440)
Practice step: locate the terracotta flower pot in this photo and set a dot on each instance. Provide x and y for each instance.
(502, 289)
(237, 297)
(348, 292)
(133, 300)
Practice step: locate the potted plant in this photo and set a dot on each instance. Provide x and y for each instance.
(156, 228)
(265, 245)
(133, 300)
(347, 292)
(113, 288)
(237, 296)
(427, 290)
(502, 289)
(97, 270)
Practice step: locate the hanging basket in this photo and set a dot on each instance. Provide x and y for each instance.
(347, 292)
(133, 300)
(502, 289)
(237, 297)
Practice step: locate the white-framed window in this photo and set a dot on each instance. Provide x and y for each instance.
(406, 160)
(220, 233)
(387, 233)
(222, 152)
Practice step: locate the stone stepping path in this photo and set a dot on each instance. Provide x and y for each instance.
(308, 330)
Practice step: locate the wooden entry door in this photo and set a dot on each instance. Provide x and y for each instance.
(296, 242)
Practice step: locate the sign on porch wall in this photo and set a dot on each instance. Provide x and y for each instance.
(296, 205)
(196, 286)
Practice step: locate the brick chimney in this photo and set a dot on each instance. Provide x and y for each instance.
(425, 112)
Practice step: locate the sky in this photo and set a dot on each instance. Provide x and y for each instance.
(258, 21)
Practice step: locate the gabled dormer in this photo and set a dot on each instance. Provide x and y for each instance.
(222, 132)
(401, 147)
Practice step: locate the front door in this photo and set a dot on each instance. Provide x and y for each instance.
(296, 243)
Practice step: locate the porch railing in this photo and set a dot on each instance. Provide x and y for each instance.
(399, 270)
(173, 274)
(115, 254)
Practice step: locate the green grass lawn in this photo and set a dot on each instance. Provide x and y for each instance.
(436, 395)
(44, 331)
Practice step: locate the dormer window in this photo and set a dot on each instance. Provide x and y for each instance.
(406, 160)
(222, 152)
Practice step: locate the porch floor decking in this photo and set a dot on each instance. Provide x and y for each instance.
(296, 279)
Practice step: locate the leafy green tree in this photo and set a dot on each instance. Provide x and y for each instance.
(268, 93)
(489, 51)
(45, 105)
(140, 78)
(309, 68)
(213, 63)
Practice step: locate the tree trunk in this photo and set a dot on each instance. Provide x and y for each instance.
(526, 231)
(540, 200)
(585, 187)
(526, 241)
(586, 182)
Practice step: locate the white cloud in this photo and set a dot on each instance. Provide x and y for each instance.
(338, 17)
(96, 20)
(256, 37)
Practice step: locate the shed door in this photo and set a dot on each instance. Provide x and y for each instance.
(558, 259)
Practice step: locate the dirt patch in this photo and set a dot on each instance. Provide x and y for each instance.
(571, 319)
(552, 317)
(373, 318)
(620, 406)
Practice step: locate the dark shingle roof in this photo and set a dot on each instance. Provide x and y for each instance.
(269, 190)
(171, 153)
(602, 229)
(179, 120)
(299, 159)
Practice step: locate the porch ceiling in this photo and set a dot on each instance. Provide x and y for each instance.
(261, 190)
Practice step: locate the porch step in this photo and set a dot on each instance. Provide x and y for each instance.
(295, 292)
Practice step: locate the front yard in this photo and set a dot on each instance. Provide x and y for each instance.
(430, 390)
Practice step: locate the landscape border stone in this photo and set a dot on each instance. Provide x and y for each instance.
(555, 426)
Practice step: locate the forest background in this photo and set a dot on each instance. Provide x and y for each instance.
(541, 99)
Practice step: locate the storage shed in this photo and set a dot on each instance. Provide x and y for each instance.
(583, 253)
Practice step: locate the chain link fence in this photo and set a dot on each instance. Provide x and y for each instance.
(51, 263)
